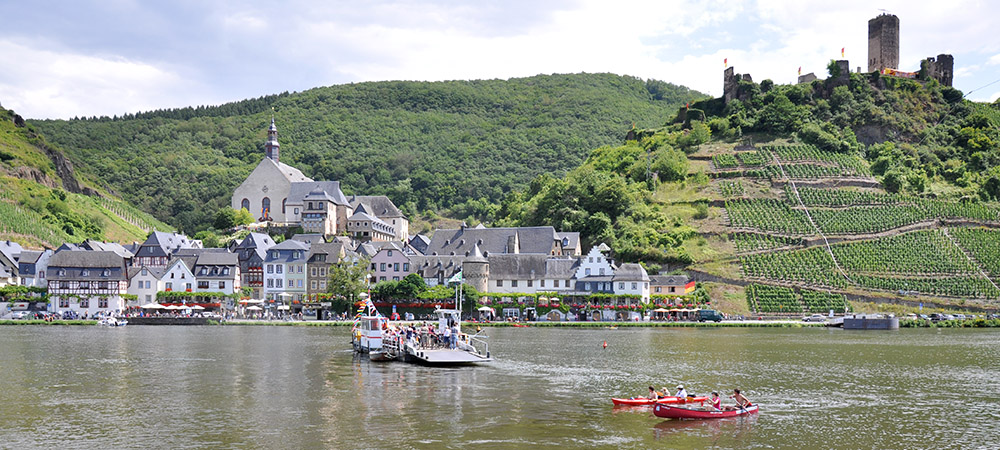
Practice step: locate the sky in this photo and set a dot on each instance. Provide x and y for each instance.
(61, 59)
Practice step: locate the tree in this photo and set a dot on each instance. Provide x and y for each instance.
(243, 217)
(225, 218)
(347, 278)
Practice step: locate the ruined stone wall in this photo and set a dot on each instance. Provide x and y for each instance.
(941, 69)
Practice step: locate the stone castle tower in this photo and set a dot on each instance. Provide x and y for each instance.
(941, 69)
(883, 43)
(476, 270)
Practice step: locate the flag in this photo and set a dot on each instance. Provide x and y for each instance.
(800, 70)
(725, 62)
(841, 52)
(457, 278)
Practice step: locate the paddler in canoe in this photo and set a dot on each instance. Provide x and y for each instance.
(656, 395)
(741, 401)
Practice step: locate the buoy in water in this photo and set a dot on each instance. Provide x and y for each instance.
(605, 344)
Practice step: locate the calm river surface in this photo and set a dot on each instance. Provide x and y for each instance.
(301, 387)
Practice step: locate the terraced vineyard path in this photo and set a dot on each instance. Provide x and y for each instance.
(972, 259)
(811, 222)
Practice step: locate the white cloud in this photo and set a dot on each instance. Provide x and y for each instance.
(994, 60)
(56, 84)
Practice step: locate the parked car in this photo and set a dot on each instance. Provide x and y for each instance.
(18, 315)
(709, 314)
(814, 318)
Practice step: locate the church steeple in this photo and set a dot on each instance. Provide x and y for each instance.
(272, 146)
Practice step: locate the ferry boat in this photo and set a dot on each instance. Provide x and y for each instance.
(373, 335)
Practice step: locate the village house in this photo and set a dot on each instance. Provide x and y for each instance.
(321, 257)
(31, 267)
(391, 261)
(87, 282)
(10, 252)
(217, 272)
(178, 276)
(144, 282)
(284, 271)
(251, 253)
(160, 246)
(631, 279)
(663, 284)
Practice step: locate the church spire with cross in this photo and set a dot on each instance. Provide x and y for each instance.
(272, 146)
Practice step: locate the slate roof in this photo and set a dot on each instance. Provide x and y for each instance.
(561, 268)
(419, 243)
(164, 244)
(292, 174)
(74, 263)
(309, 238)
(155, 272)
(329, 190)
(517, 267)
(377, 205)
(333, 251)
(631, 272)
(108, 247)
(259, 242)
(669, 280)
(432, 266)
(11, 249)
(572, 238)
(216, 265)
(491, 241)
(286, 251)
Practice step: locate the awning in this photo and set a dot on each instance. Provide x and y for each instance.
(152, 306)
(661, 310)
(486, 309)
(197, 307)
(253, 308)
(283, 308)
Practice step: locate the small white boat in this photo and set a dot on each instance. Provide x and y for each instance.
(112, 322)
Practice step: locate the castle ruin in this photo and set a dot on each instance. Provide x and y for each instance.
(940, 69)
(883, 43)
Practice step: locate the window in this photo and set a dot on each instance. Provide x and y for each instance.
(381, 278)
(591, 259)
(312, 272)
(586, 271)
(673, 289)
(84, 285)
(270, 282)
(265, 208)
(586, 286)
(381, 267)
(406, 267)
(299, 268)
(145, 271)
(283, 201)
(541, 283)
(530, 283)
(105, 273)
(62, 272)
(499, 283)
(657, 289)
(170, 286)
(602, 271)
(85, 303)
(621, 285)
(270, 268)
(84, 273)
(148, 284)
(567, 283)
(64, 303)
(102, 302)
(390, 253)
(312, 284)
(222, 285)
(245, 204)
(634, 286)
(187, 287)
(149, 298)
(278, 283)
(395, 267)
(322, 285)
(513, 283)
(278, 268)
(299, 283)
(202, 285)
(296, 210)
(322, 271)
(395, 278)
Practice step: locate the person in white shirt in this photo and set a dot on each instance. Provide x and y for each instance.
(681, 392)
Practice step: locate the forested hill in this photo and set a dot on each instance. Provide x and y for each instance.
(44, 204)
(455, 147)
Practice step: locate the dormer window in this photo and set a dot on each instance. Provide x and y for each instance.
(84, 273)
(106, 273)
(390, 253)
(62, 272)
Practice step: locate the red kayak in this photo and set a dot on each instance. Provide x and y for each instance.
(675, 412)
(642, 401)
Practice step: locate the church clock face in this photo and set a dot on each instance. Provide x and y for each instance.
(264, 189)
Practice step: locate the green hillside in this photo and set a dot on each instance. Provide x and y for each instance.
(879, 188)
(38, 207)
(451, 147)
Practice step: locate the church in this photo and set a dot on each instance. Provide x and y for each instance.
(280, 194)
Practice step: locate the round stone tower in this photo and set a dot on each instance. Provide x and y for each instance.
(476, 270)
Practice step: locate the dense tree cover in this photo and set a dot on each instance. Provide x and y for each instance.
(607, 199)
(459, 145)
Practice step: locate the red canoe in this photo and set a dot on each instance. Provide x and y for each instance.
(675, 412)
(641, 401)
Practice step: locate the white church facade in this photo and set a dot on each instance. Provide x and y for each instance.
(281, 194)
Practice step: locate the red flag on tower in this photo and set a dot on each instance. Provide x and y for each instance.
(800, 70)
(841, 52)
(725, 62)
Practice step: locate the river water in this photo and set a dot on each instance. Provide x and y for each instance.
(302, 387)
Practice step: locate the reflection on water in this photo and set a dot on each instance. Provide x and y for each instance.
(285, 387)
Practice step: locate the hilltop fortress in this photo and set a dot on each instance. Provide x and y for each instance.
(883, 58)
